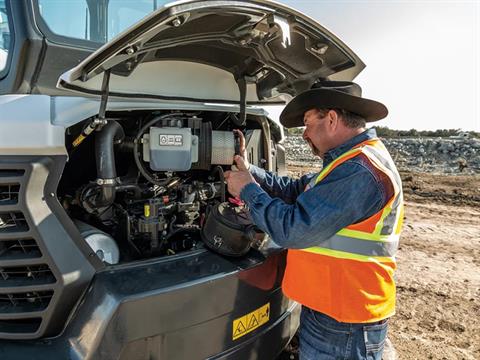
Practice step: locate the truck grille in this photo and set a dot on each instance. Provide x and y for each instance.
(9, 194)
(12, 222)
(19, 249)
(25, 276)
(27, 283)
(20, 326)
(25, 302)
(45, 264)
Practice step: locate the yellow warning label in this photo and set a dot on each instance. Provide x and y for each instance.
(146, 210)
(78, 140)
(247, 323)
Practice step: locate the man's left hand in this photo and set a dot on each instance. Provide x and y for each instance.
(237, 180)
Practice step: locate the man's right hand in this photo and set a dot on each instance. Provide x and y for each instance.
(238, 179)
(243, 149)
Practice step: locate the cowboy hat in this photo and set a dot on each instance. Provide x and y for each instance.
(343, 95)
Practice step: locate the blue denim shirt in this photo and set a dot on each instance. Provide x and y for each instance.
(295, 218)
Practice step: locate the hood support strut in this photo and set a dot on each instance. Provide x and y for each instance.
(242, 87)
(105, 93)
(100, 121)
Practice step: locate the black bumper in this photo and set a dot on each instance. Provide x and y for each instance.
(181, 307)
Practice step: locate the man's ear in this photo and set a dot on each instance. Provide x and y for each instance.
(333, 120)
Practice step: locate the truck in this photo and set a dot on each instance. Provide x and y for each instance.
(116, 120)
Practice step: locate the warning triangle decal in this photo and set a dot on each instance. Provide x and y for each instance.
(240, 329)
(253, 322)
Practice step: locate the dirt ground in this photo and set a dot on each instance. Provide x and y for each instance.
(438, 275)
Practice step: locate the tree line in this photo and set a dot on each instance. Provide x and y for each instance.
(386, 132)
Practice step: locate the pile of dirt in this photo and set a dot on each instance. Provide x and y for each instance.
(447, 189)
(441, 155)
(433, 155)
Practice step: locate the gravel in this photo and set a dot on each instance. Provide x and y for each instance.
(433, 155)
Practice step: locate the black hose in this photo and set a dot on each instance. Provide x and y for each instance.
(130, 187)
(105, 160)
(105, 156)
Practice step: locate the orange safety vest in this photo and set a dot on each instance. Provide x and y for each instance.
(349, 276)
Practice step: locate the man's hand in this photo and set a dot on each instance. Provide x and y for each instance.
(237, 180)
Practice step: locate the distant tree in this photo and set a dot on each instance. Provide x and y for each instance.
(294, 131)
(386, 132)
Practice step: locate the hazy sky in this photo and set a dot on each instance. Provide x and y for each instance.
(422, 57)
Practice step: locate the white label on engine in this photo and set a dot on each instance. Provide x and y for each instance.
(171, 140)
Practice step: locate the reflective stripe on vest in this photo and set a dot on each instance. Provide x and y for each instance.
(380, 242)
(349, 276)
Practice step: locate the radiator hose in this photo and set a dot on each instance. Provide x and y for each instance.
(105, 160)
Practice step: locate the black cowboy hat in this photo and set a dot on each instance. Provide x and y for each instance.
(332, 95)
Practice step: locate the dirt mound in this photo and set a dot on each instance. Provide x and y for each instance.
(432, 155)
(448, 189)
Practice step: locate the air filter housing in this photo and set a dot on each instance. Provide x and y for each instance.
(183, 148)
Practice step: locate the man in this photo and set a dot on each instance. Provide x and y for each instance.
(341, 226)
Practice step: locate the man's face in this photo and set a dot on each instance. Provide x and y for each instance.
(317, 131)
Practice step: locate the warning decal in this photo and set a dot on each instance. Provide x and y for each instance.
(247, 323)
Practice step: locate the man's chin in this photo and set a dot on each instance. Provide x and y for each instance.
(313, 148)
(315, 151)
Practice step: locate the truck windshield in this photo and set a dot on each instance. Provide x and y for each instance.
(96, 21)
(4, 36)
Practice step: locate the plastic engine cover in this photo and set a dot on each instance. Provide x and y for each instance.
(172, 149)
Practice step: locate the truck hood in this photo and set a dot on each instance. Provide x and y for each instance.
(207, 50)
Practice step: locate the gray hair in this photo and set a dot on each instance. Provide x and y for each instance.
(351, 120)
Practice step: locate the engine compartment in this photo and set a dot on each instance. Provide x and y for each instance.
(140, 184)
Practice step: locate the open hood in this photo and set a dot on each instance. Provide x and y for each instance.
(216, 51)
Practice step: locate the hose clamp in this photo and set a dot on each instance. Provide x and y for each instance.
(106, 181)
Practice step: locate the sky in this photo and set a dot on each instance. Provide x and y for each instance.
(422, 57)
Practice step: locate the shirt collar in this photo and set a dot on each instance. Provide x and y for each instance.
(332, 154)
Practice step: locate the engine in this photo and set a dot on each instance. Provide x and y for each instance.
(154, 183)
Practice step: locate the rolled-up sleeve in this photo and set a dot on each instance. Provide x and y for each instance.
(349, 194)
